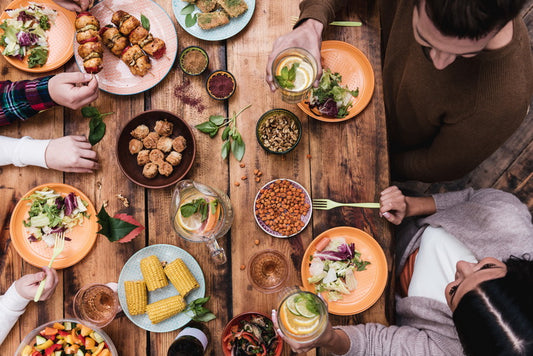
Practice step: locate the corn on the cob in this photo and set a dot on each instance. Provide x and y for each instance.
(136, 296)
(165, 308)
(153, 273)
(179, 275)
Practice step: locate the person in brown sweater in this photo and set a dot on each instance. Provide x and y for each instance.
(456, 86)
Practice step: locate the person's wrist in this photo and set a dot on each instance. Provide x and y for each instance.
(313, 25)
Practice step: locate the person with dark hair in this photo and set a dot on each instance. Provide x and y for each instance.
(454, 292)
(457, 78)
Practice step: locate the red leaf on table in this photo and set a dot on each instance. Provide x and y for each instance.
(135, 232)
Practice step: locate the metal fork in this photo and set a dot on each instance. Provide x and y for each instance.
(294, 19)
(326, 204)
(58, 248)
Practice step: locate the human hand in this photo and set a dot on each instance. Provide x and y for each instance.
(75, 5)
(73, 89)
(27, 285)
(307, 36)
(71, 154)
(393, 205)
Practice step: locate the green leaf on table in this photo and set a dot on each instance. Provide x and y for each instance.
(225, 133)
(188, 9)
(207, 127)
(225, 149)
(145, 22)
(97, 132)
(89, 111)
(190, 20)
(217, 119)
(238, 148)
(112, 228)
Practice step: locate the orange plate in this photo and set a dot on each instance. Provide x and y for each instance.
(38, 253)
(115, 77)
(370, 282)
(356, 72)
(59, 37)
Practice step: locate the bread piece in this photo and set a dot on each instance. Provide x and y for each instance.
(206, 5)
(234, 8)
(212, 19)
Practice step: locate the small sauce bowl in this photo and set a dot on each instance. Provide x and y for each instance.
(278, 131)
(193, 60)
(221, 85)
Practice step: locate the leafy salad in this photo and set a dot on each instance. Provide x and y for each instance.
(51, 213)
(254, 335)
(330, 98)
(25, 33)
(332, 267)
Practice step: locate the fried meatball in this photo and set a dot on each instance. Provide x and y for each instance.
(150, 170)
(135, 146)
(156, 155)
(179, 144)
(164, 144)
(174, 158)
(143, 157)
(86, 35)
(165, 169)
(150, 141)
(88, 48)
(140, 132)
(163, 127)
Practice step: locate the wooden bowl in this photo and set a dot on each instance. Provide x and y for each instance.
(128, 162)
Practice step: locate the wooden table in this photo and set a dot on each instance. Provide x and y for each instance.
(345, 161)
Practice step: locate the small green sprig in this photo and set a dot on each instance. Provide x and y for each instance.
(232, 138)
(287, 76)
(199, 205)
(198, 312)
(145, 22)
(96, 125)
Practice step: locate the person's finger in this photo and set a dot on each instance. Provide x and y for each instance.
(35, 278)
(76, 77)
(84, 165)
(389, 189)
(79, 138)
(89, 154)
(84, 145)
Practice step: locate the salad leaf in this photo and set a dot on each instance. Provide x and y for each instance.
(330, 98)
(38, 57)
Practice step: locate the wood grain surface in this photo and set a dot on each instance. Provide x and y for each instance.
(344, 161)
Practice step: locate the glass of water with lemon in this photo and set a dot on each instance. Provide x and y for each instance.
(302, 316)
(201, 214)
(294, 70)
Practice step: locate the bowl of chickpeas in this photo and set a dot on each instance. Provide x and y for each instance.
(156, 149)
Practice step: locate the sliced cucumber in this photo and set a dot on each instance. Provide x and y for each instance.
(68, 325)
(39, 340)
(97, 337)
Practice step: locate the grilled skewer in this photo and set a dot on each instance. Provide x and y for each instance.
(90, 49)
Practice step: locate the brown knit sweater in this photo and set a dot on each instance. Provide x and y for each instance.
(443, 123)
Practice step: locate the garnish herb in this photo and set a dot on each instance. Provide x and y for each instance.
(44, 22)
(190, 18)
(199, 205)
(232, 138)
(145, 22)
(96, 125)
(112, 228)
(287, 77)
(198, 312)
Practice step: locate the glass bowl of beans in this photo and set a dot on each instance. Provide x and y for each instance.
(278, 131)
(282, 208)
(221, 85)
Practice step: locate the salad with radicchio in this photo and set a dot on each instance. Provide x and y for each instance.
(330, 98)
(252, 335)
(25, 33)
(50, 213)
(332, 267)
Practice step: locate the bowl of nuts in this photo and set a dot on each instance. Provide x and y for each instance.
(282, 208)
(278, 131)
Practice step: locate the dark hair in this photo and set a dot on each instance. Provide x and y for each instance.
(496, 318)
(473, 19)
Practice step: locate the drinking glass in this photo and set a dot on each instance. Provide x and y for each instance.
(305, 73)
(211, 216)
(302, 316)
(96, 304)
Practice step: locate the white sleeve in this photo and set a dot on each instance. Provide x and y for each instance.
(12, 306)
(23, 151)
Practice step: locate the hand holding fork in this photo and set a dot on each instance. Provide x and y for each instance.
(58, 248)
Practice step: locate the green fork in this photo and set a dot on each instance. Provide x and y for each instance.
(58, 248)
(326, 204)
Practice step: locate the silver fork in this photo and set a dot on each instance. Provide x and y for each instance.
(294, 20)
(59, 245)
(326, 204)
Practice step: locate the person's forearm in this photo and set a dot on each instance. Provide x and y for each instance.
(338, 343)
(320, 10)
(12, 306)
(420, 206)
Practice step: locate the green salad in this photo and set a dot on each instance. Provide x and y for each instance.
(330, 98)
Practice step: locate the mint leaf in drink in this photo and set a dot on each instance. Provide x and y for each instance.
(287, 76)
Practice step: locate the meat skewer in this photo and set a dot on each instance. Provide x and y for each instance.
(90, 49)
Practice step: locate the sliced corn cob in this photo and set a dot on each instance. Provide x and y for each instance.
(165, 308)
(179, 275)
(136, 296)
(153, 273)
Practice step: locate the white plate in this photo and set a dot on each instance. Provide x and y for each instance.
(115, 77)
(132, 271)
(234, 26)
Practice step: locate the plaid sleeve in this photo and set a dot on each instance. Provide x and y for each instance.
(23, 99)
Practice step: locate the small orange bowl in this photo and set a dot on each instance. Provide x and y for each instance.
(236, 324)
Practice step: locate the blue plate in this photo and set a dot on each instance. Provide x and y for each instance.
(234, 26)
(132, 271)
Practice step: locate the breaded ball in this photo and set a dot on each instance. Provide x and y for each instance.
(164, 144)
(156, 155)
(179, 144)
(150, 170)
(135, 146)
(174, 158)
(165, 168)
(140, 132)
(164, 128)
(150, 141)
(143, 157)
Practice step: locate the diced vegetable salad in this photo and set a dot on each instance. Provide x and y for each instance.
(51, 213)
(332, 268)
(254, 335)
(67, 338)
